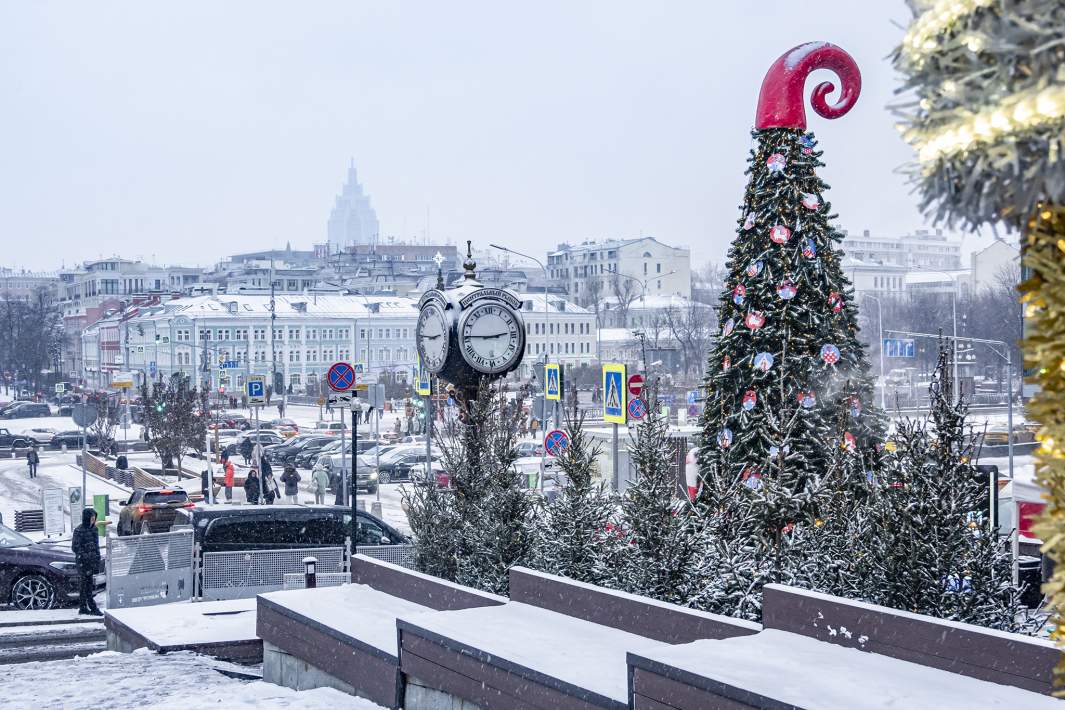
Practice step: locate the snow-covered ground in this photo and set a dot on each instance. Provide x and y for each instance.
(176, 681)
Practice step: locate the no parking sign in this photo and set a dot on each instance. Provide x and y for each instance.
(556, 441)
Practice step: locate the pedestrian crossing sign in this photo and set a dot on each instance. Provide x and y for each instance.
(552, 382)
(422, 384)
(614, 393)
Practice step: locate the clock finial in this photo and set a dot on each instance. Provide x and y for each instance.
(439, 259)
(469, 265)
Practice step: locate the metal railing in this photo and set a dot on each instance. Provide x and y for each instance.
(149, 569)
(402, 555)
(235, 575)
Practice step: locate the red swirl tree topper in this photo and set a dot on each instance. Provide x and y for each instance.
(780, 102)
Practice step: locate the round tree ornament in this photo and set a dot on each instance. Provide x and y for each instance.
(849, 442)
(730, 325)
(754, 320)
(780, 234)
(754, 268)
(763, 362)
(835, 301)
(809, 249)
(776, 163)
(748, 221)
(807, 399)
(830, 354)
(750, 399)
(738, 294)
(810, 201)
(724, 438)
(787, 290)
(752, 478)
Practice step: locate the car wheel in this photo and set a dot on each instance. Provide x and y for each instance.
(384, 477)
(33, 592)
(18, 444)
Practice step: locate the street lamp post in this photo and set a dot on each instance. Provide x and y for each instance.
(880, 335)
(547, 339)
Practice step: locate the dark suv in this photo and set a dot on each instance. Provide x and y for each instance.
(26, 410)
(281, 527)
(151, 509)
(34, 575)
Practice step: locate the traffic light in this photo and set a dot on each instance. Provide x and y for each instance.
(160, 406)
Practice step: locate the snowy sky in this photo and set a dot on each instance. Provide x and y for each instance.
(185, 131)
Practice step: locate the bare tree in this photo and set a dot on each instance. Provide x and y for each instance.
(626, 291)
(691, 327)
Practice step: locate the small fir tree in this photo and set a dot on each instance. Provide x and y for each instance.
(935, 553)
(175, 417)
(661, 555)
(575, 533)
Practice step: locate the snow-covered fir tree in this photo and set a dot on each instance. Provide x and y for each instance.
(492, 511)
(576, 532)
(660, 544)
(934, 553)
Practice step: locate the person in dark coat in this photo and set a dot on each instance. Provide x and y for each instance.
(251, 487)
(291, 479)
(245, 450)
(32, 459)
(269, 485)
(86, 547)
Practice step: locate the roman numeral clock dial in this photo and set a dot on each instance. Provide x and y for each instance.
(491, 339)
(432, 337)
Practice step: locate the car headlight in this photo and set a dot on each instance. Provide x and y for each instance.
(63, 566)
(373, 475)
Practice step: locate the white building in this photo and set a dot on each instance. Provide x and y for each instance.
(307, 335)
(566, 333)
(990, 264)
(924, 249)
(593, 270)
(652, 311)
(875, 279)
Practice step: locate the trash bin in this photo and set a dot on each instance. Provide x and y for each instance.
(1031, 579)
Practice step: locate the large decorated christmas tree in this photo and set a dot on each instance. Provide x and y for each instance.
(787, 383)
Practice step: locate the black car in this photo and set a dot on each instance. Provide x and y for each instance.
(282, 527)
(398, 467)
(73, 439)
(280, 453)
(26, 410)
(309, 452)
(36, 575)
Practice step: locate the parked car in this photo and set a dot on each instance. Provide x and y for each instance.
(153, 509)
(331, 428)
(73, 439)
(14, 441)
(335, 462)
(42, 435)
(225, 438)
(281, 527)
(37, 575)
(239, 421)
(27, 410)
(288, 450)
(529, 448)
(286, 427)
(309, 452)
(396, 465)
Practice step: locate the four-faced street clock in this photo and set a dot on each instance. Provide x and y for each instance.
(470, 332)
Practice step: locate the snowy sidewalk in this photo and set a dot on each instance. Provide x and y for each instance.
(180, 681)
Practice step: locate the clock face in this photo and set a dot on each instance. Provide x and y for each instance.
(491, 338)
(432, 337)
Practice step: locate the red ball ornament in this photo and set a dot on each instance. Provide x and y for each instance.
(849, 442)
(750, 399)
(810, 201)
(726, 362)
(835, 301)
(780, 234)
(754, 320)
(738, 294)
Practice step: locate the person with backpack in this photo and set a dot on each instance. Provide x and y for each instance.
(32, 459)
(291, 479)
(269, 485)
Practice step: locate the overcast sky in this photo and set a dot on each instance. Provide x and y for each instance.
(186, 131)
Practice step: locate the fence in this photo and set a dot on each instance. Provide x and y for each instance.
(29, 520)
(149, 569)
(329, 579)
(402, 555)
(235, 575)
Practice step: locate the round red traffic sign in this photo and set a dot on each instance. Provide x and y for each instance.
(556, 441)
(635, 384)
(341, 377)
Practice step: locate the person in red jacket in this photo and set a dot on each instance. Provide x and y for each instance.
(229, 478)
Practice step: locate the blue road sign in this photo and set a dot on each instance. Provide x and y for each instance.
(341, 377)
(899, 347)
(552, 386)
(151, 368)
(228, 364)
(422, 383)
(693, 396)
(556, 441)
(636, 408)
(255, 389)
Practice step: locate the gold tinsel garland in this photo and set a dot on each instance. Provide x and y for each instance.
(1044, 355)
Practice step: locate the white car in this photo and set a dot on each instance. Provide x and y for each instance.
(42, 435)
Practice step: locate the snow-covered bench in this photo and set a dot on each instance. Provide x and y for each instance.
(223, 629)
(827, 653)
(345, 637)
(557, 643)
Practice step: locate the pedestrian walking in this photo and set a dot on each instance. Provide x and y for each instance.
(291, 478)
(32, 459)
(251, 487)
(321, 482)
(246, 448)
(86, 547)
(230, 474)
(269, 485)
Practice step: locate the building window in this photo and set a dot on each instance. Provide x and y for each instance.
(658, 268)
(293, 333)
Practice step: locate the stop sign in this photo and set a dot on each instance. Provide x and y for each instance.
(636, 384)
